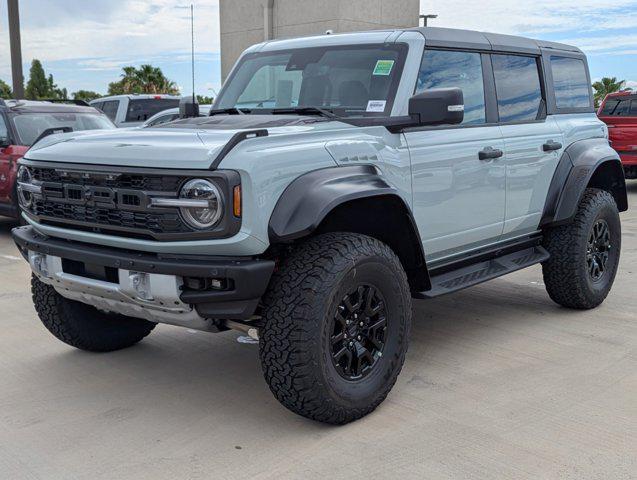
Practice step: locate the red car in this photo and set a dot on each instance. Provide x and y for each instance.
(619, 112)
(23, 122)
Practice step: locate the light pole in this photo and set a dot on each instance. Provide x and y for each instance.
(16, 48)
(427, 17)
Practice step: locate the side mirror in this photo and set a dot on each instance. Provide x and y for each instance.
(5, 142)
(188, 107)
(440, 106)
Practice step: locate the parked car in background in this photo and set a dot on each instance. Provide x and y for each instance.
(134, 110)
(171, 114)
(619, 113)
(23, 123)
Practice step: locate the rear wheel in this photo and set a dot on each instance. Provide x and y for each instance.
(337, 319)
(83, 326)
(584, 253)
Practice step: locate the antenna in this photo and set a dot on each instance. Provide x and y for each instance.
(192, 35)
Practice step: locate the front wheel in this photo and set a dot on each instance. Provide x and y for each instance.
(83, 326)
(337, 320)
(584, 253)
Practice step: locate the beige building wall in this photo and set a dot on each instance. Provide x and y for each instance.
(246, 22)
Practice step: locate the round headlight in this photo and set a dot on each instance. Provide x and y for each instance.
(24, 197)
(207, 194)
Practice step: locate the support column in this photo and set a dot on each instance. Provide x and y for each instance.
(16, 48)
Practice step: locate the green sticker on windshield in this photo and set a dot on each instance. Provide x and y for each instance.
(383, 67)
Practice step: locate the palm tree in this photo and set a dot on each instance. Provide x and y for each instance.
(605, 86)
(145, 79)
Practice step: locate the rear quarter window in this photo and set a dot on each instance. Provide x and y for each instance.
(142, 109)
(609, 107)
(570, 82)
(110, 108)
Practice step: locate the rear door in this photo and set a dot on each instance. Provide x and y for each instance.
(620, 114)
(532, 141)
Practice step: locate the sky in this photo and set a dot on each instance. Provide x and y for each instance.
(85, 43)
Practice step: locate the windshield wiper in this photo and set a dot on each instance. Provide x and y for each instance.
(229, 111)
(305, 111)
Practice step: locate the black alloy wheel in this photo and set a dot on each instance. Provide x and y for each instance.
(358, 332)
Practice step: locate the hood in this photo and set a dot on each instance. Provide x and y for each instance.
(190, 143)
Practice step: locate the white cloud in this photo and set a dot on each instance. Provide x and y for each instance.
(515, 17)
(138, 27)
(631, 84)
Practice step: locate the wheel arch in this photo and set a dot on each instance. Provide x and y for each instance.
(585, 164)
(352, 199)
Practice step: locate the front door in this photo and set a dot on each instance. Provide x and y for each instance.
(458, 192)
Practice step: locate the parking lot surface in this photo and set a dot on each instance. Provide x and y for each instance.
(499, 383)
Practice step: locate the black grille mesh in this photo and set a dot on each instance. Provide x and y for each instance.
(158, 183)
(142, 224)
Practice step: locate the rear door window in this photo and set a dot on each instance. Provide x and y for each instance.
(570, 81)
(451, 69)
(110, 109)
(633, 108)
(140, 110)
(517, 83)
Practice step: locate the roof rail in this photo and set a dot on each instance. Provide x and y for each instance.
(79, 103)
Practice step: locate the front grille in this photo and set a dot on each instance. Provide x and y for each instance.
(157, 183)
(118, 202)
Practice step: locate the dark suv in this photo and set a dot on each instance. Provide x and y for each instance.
(24, 122)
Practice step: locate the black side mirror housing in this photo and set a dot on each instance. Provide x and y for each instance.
(439, 106)
(188, 107)
(5, 142)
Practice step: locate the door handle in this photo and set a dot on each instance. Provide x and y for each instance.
(551, 146)
(490, 153)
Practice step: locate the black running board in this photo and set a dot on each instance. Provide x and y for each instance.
(476, 273)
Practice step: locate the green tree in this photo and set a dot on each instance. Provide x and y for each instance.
(203, 100)
(86, 95)
(605, 86)
(38, 85)
(5, 90)
(145, 79)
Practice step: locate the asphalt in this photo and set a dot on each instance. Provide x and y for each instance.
(499, 383)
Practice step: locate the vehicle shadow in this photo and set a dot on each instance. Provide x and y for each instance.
(209, 375)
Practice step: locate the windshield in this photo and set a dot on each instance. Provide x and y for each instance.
(356, 80)
(31, 125)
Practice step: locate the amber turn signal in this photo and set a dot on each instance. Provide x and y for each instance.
(236, 201)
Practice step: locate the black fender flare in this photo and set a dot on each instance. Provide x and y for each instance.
(577, 166)
(309, 199)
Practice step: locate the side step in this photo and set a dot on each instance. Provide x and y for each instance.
(483, 271)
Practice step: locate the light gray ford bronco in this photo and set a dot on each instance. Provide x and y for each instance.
(336, 178)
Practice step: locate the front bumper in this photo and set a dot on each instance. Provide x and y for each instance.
(105, 277)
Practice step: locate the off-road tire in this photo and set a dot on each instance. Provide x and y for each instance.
(83, 326)
(299, 308)
(566, 274)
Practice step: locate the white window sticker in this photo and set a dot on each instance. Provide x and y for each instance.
(376, 105)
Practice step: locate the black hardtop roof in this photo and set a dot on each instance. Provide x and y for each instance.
(469, 39)
(30, 106)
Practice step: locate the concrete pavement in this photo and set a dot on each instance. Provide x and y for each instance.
(499, 383)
